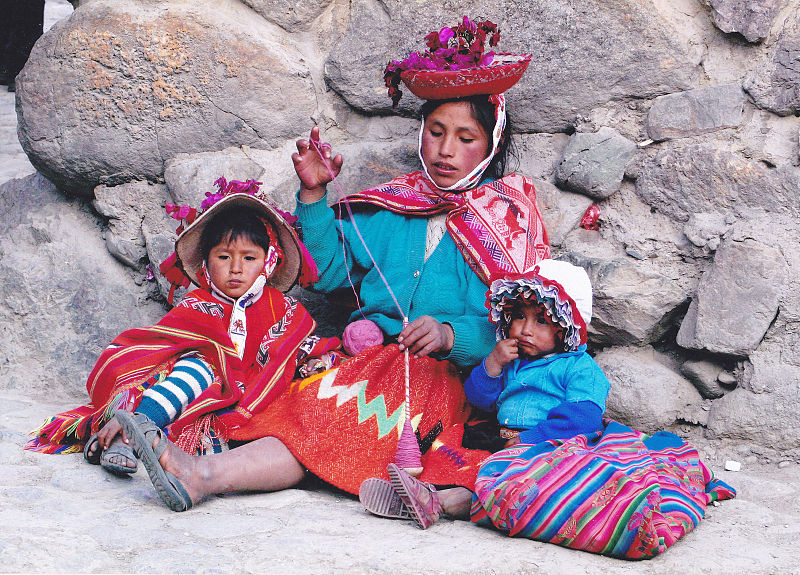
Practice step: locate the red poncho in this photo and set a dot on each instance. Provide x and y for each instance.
(277, 340)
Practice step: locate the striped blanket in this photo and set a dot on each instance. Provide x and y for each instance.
(618, 492)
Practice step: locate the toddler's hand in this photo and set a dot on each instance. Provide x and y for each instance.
(513, 441)
(311, 169)
(503, 353)
(109, 431)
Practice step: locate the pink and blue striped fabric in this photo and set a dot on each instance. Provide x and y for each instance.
(618, 492)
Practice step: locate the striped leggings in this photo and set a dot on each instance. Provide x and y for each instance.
(164, 402)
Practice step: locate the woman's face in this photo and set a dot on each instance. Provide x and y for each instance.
(453, 143)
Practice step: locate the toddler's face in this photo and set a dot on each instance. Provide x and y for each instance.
(536, 334)
(234, 266)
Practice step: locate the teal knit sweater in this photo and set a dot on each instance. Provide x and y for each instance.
(443, 287)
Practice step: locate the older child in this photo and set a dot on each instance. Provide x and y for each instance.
(222, 354)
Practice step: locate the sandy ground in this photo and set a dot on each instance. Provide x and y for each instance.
(60, 515)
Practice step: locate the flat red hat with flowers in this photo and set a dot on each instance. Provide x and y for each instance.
(457, 65)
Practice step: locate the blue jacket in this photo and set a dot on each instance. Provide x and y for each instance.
(554, 397)
(443, 287)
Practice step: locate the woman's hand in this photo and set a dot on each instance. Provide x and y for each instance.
(503, 353)
(312, 169)
(425, 336)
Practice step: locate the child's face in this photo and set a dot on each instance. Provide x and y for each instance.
(234, 266)
(453, 143)
(535, 332)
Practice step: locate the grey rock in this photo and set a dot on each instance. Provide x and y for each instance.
(63, 297)
(682, 181)
(695, 112)
(646, 393)
(703, 374)
(737, 299)
(584, 54)
(190, 177)
(126, 206)
(561, 211)
(594, 164)
(160, 243)
(774, 84)
(750, 18)
(290, 15)
(770, 418)
(540, 154)
(140, 83)
(705, 230)
(633, 304)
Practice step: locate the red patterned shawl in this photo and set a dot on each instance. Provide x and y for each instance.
(497, 226)
(277, 339)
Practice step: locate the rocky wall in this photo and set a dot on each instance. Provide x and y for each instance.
(678, 119)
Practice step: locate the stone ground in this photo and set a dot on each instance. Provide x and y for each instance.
(60, 515)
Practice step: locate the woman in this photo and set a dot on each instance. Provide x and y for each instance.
(428, 252)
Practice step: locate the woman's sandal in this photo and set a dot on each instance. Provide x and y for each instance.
(379, 498)
(141, 432)
(419, 497)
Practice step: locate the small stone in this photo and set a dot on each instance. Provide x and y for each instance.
(726, 378)
(784, 464)
(715, 503)
(635, 254)
(731, 465)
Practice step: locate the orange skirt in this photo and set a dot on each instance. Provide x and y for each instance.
(343, 425)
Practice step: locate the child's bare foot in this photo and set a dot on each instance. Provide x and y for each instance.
(116, 456)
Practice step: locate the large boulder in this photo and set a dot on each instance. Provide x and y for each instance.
(119, 88)
(764, 408)
(64, 297)
(737, 299)
(594, 164)
(127, 206)
(774, 84)
(647, 393)
(750, 18)
(190, 177)
(584, 54)
(633, 303)
(561, 211)
(695, 112)
(681, 181)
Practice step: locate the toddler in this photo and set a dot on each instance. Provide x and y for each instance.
(538, 378)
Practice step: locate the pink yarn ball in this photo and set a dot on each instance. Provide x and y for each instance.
(361, 335)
